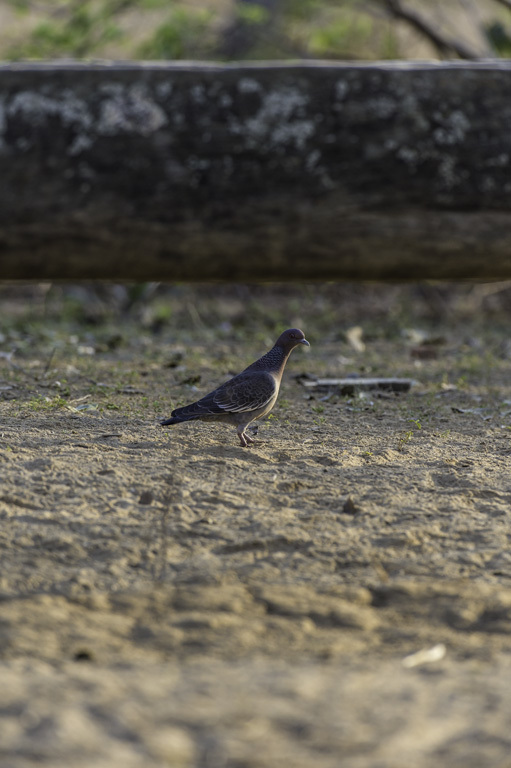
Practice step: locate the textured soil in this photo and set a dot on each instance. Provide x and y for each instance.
(171, 599)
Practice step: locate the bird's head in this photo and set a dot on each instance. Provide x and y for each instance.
(291, 338)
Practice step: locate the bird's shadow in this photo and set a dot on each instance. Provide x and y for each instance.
(225, 452)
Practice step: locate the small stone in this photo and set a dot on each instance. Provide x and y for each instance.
(349, 507)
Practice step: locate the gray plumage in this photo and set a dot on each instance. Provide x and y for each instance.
(248, 396)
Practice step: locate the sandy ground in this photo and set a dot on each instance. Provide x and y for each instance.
(170, 599)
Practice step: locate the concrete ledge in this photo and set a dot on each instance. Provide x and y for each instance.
(267, 171)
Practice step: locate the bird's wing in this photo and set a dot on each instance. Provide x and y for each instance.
(246, 392)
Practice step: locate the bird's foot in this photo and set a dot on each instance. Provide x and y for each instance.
(245, 440)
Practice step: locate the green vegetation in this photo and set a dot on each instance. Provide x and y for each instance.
(406, 436)
(252, 29)
(79, 30)
(45, 403)
(179, 37)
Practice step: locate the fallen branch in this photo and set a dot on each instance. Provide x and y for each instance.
(352, 386)
(505, 3)
(444, 45)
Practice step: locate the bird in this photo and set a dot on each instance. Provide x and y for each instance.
(248, 396)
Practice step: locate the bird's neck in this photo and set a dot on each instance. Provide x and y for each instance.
(273, 361)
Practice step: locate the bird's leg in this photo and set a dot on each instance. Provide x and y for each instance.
(242, 437)
(245, 440)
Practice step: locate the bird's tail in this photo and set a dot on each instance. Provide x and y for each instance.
(172, 420)
(179, 415)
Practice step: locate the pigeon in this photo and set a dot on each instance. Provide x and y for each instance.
(248, 396)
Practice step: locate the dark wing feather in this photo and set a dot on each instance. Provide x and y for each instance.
(242, 394)
(246, 392)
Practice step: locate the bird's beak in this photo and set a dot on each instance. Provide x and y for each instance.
(304, 341)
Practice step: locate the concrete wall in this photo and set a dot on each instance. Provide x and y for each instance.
(267, 171)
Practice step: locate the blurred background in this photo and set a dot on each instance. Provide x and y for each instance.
(230, 30)
(255, 29)
(424, 322)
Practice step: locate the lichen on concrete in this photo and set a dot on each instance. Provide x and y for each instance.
(248, 85)
(280, 120)
(383, 107)
(37, 108)
(453, 128)
(130, 110)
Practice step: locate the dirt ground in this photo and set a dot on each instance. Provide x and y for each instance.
(171, 599)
